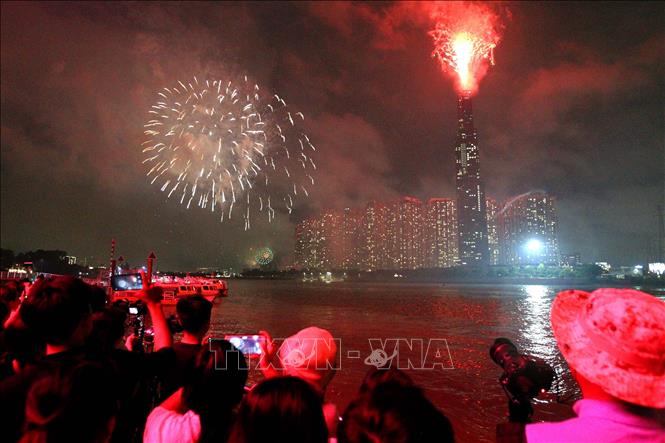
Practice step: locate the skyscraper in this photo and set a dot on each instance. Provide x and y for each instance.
(352, 239)
(330, 240)
(372, 236)
(307, 254)
(441, 229)
(408, 230)
(492, 233)
(471, 205)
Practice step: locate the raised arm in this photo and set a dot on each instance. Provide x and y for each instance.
(152, 297)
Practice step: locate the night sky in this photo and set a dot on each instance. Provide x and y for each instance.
(574, 107)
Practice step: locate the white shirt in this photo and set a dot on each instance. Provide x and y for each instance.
(599, 421)
(164, 426)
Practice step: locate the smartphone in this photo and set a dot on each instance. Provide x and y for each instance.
(133, 310)
(249, 345)
(127, 282)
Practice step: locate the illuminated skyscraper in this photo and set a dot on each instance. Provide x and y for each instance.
(320, 242)
(441, 245)
(330, 240)
(492, 233)
(372, 237)
(351, 239)
(408, 240)
(307, 255)
(471, 211)
(528, 230)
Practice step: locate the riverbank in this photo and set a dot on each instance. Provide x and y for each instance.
(420, 277)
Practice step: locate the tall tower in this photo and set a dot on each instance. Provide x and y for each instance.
(471, 204)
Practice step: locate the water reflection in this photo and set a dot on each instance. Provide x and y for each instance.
(469, 317)
(536, 331)
(538, 339)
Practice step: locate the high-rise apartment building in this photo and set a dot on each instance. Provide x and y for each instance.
(471, 211)
(441, 245)
(352, 239)
(492, 232)
(528, 230)
(330, 240)
(408, 226)
(407, 234)
(372, 236)
(396, 235)
(307, 254)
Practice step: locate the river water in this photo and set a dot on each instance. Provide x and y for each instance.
(467, 317)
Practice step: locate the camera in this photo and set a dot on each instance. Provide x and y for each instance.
(524, 377)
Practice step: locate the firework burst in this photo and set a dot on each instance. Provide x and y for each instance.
(465, 36)
(223, 147)
(264, 256)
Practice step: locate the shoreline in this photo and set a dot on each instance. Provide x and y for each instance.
(475, 281)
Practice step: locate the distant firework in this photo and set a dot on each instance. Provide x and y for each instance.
(465, 35)
(222, 145)
(264, 256)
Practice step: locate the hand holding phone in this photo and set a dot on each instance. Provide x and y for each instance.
(149, 293)
(127, 282)
(249, 345)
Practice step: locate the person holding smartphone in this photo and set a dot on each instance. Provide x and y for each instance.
(136, 371)
(193, 317)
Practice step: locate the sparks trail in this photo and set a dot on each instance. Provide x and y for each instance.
(465, 36)
(219, 144)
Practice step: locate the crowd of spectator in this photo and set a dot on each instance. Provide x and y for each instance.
(75, 367)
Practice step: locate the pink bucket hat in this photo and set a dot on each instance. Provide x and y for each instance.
(615, 338)
(310, 355)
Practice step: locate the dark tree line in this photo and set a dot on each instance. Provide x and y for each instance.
(47, 261)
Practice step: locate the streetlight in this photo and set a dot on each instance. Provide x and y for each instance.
(534, 246)
(534, 249)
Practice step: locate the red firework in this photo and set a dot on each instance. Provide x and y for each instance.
(465, 35)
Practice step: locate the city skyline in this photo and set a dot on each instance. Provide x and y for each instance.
(407, 234)
(572, 108)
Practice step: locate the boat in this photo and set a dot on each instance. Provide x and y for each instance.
(176, 288)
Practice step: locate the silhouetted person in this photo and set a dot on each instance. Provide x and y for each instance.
(376, 376)
(390, 409)
(202, 409)
(281, 410)
(75, 404)
(137, 371)
(108, 329)
(10, 295)
(193, 315)
(57, 311)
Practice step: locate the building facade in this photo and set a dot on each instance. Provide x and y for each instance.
(307, 254)
(441, 244)
(400, 234)
(528, 230)
(351, 239)
(492, 231)
(407, 234)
